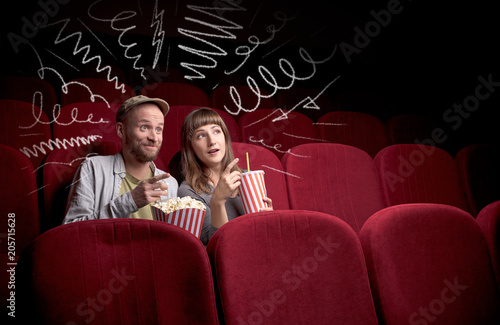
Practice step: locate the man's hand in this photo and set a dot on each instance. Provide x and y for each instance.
(147, 190)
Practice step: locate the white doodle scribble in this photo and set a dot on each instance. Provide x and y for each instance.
(31, 134)
(65, 163)
(246, 51)
(57, 143)
(64, 87)
(288, 70)
(308, 102)
(61, 59)
(304, 138)
(78, 48)
(331, 124)
(224, 33)
(97, 38)
(159, 33)
(56, 113)
(124, 15)
(281, 171)
(38, 189)
(76, 181)
(276, 147)
(279, 46)
(264, 118)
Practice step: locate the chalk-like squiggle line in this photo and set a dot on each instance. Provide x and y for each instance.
(124, 15)
(38, 189)
(282, 171)
(331, 124)
(278, 47)
(78, 141)
(304, 138)
(308, 102)
(158, 21)
(288, 70)
(246, 51)
(31, 134)
(65, 163)
(266, 117)
(86, 175)
(57, 56)
(86, 52)
(275, 147)
(97, 38)
(56, 113)
(64, 87)
(224, 34)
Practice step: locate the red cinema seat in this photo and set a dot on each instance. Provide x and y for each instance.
(95, 122)
(311, 106)
(479, 171)
(172, 131)
(19, 221)
(290, 267)
(258, 128)
(222, 99)
(413, 173)
(274, 175)
(24, 88)
(83, 90)
(429, 264)
(58, 171)
(407, 128)
(356, 129)
(25, 127)
(19, 208)
(177, 93)
(489, 222)
(333, 178)
(116, 271)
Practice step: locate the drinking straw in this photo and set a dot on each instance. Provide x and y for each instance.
(248, 163)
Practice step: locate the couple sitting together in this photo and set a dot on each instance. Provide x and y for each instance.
(124, 185)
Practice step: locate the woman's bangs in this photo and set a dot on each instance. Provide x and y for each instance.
(204, 117)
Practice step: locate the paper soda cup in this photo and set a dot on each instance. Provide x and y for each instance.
(252, 191)
(189, 219)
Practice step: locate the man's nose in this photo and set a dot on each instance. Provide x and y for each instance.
(153, 136)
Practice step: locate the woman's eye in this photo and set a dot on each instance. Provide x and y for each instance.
(201, 135)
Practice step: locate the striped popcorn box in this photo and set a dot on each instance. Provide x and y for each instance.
(189, 219)
(252, 191)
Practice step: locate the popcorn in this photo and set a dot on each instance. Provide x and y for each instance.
(179, 203)
(186, 213)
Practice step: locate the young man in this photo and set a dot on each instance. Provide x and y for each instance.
(123, 185)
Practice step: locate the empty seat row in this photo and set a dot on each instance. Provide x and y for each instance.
(413, 263)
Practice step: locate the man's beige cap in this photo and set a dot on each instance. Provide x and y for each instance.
(137, 100)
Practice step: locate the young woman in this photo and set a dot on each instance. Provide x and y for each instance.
(211, 173)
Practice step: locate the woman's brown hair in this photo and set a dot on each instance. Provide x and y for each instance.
(191, 166)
